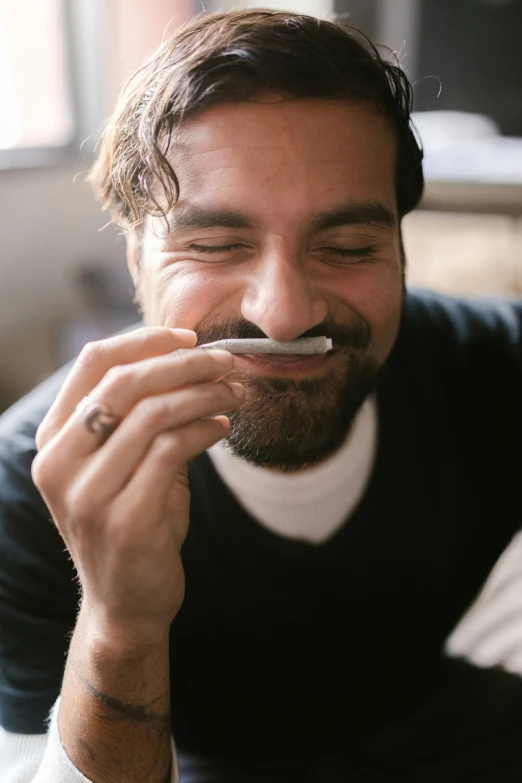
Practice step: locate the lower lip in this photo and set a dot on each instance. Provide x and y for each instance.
(285, 366)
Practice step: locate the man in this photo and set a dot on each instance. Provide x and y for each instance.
(264, 554)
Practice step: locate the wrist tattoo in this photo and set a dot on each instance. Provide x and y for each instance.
(117, 710)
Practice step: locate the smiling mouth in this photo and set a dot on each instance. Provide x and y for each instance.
(274, 363)
(281, 358)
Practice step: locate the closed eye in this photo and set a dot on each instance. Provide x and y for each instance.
(343, 252)
(356, 252)
(214, 248)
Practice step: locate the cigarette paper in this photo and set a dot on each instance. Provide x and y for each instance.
(306, 345)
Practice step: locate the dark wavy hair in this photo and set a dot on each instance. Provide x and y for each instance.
(238, 56)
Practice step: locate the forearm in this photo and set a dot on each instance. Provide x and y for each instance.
(114, 716)
(120, 500)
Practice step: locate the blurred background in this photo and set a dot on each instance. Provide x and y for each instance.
(63, 281)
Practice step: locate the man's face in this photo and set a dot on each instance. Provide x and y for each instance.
(286, 226)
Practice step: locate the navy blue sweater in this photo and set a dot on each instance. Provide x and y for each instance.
(280, 643)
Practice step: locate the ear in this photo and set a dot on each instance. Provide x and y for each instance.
(132, 253)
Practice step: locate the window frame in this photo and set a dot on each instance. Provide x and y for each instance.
(85, 39)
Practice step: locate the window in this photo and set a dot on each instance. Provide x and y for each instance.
(37, 112)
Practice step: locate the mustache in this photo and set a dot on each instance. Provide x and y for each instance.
(355, 335)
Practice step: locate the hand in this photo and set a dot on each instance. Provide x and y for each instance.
(122, 506)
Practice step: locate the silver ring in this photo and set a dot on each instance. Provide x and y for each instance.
(96, 418)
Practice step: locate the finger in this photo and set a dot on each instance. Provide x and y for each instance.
(148, 486)
(124, 387)
(113, 465)
(97, 358)
(165, 458)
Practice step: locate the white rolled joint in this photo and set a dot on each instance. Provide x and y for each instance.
(305, 345)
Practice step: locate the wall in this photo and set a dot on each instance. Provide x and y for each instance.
(137, 28)
(50, 223)
(50, 229)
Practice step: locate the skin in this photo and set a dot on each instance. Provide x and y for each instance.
(260, 178)
(281, 164)
(122, 505)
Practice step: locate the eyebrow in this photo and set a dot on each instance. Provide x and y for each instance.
(197, 217)
(356, 213)
(352, 213)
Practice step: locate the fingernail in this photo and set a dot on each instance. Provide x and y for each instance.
(238, 390)
(223, 357)
(187, 336)
(224, 421)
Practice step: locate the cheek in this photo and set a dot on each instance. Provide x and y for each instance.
(385, 308)
(376, 295)
(387, 320)
(186, 298)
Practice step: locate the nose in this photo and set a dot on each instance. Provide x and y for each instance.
(280, 296)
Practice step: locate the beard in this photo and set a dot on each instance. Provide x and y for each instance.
(289, 424)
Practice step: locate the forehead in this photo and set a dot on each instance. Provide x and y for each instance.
(310, 150)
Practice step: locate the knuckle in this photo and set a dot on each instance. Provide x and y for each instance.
(150, 335)
(45, 472)
(40, 437)
(91, 354)
(213, 395)
(150, 340)
(192, 360)
(168, 445)
(117, 377)
(40, 471)
(152, 413)
(78, 503)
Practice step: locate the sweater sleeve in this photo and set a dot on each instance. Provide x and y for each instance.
(490, 633)
(41, 758)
